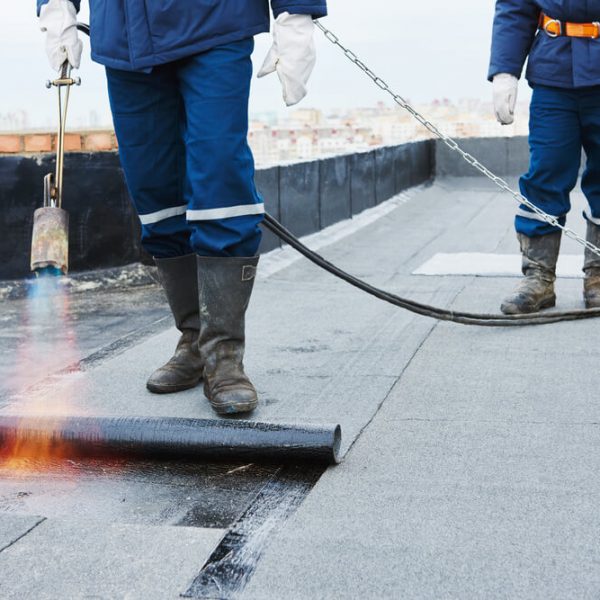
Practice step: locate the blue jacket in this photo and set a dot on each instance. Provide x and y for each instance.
(137, 35)
(559, 62)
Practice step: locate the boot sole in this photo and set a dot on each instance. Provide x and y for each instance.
(172, 389)
(236, 409)
(511, 309)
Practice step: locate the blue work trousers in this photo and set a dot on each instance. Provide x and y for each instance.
(562, 122)
(182, 132)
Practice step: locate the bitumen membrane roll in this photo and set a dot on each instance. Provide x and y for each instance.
(169, 438)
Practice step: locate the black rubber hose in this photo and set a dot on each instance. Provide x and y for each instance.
(168, 438)
(464, 318)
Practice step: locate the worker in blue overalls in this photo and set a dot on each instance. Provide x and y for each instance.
(561, 39)
(178, 79)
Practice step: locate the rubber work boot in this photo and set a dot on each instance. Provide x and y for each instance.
(536, 290)
(591, 268)
(225, 286)
(184, 370)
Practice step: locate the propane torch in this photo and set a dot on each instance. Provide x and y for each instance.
(50, 237)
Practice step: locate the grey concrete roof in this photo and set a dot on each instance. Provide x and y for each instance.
(473, 460)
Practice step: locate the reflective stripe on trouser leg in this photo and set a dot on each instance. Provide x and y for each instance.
(555, 157)
(147, 113)
(224, 208)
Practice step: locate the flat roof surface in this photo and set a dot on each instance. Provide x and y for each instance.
(471, 455)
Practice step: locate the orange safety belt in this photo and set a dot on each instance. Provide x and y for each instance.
(556, 28)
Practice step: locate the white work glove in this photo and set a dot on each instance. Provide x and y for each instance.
(506, 87)
(58, 19)
(293, 55)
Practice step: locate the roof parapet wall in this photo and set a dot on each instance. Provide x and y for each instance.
(506, 157)
(104, 230)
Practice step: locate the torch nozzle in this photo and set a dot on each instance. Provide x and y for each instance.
(50, 241)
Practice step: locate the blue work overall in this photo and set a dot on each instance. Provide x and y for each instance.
(182, 132)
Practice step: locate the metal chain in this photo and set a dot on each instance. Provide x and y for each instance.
(451, 143)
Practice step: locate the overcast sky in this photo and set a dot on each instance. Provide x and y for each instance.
(426, 50)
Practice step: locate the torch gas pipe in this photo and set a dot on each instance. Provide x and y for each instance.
(53, 183)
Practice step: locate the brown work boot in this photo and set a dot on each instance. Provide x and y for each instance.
(536, 290)
(184, 370)
(591, 268)
(224, 290)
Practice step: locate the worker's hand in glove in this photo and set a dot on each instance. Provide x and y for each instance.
(292, 55)
(506, 87)
(58, 18)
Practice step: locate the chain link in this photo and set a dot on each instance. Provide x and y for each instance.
(451, 143)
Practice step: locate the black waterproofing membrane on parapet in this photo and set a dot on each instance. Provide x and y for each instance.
(169, 438)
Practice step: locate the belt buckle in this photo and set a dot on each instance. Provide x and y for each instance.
(597, 24)
(549, 33)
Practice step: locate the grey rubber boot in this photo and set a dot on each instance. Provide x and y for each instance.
(536, 290)
(179, 279)
(224, 290)
(591, 268)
